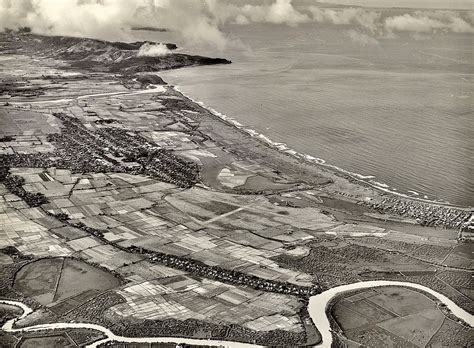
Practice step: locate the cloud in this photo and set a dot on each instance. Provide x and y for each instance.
(282, 11)
(199, 21)
(196, 21)
(109, 19)
(415, 21)
(275, 11)
(153, 50)
(356, 16)
(361, 38)
(459, 25)
(68, 17)
(408, 22)
(428, 22)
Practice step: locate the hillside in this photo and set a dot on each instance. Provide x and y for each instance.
(99, 55)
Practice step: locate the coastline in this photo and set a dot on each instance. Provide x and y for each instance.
(310, 156)
(309, 159)
(385, 200)
(301, 161)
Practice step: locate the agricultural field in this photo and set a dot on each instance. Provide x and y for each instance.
(62, 283)
(46, 342)
(129, 206)
(184, 297)
(393, 316)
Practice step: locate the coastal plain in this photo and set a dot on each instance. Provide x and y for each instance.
(128, 205)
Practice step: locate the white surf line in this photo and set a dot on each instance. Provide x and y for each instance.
(284, 148)
(157, 89)
(316, 308)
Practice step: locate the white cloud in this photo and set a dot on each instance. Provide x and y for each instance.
(153, 50)
(365, 18)
(200, 21)
(361, 38)
(427, 22)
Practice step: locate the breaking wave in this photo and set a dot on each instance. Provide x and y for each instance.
(284, 148)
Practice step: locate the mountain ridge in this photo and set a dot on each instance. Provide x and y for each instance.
(101, 55)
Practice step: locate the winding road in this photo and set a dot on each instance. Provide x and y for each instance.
(151, 89)
(316, 308)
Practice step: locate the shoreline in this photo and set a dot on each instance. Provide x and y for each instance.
(365, 180)
(301, 162)
(423, 212)
(317, 309)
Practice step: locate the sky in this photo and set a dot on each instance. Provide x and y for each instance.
(431, 4)
(201, 21)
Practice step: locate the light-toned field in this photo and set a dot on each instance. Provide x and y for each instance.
(27, 123)
(182, 297)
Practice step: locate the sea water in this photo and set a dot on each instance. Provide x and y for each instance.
(399, 109)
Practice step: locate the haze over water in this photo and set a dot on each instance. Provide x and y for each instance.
(400, 109)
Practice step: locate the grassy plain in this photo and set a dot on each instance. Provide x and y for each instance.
(392, 316)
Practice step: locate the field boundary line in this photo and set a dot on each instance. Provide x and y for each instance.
(367, 299)
(59, 279)
(452, 287)
(448, 254)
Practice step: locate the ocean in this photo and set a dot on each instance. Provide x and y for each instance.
(396, 110)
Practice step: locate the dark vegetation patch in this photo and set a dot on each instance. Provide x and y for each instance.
(14, 253)
(82, 337)
(14, 184)
(83, 151)
(6, 138)
(162, 30)
(105, 121)
(147, 79)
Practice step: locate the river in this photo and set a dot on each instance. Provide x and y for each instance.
(316, 308)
